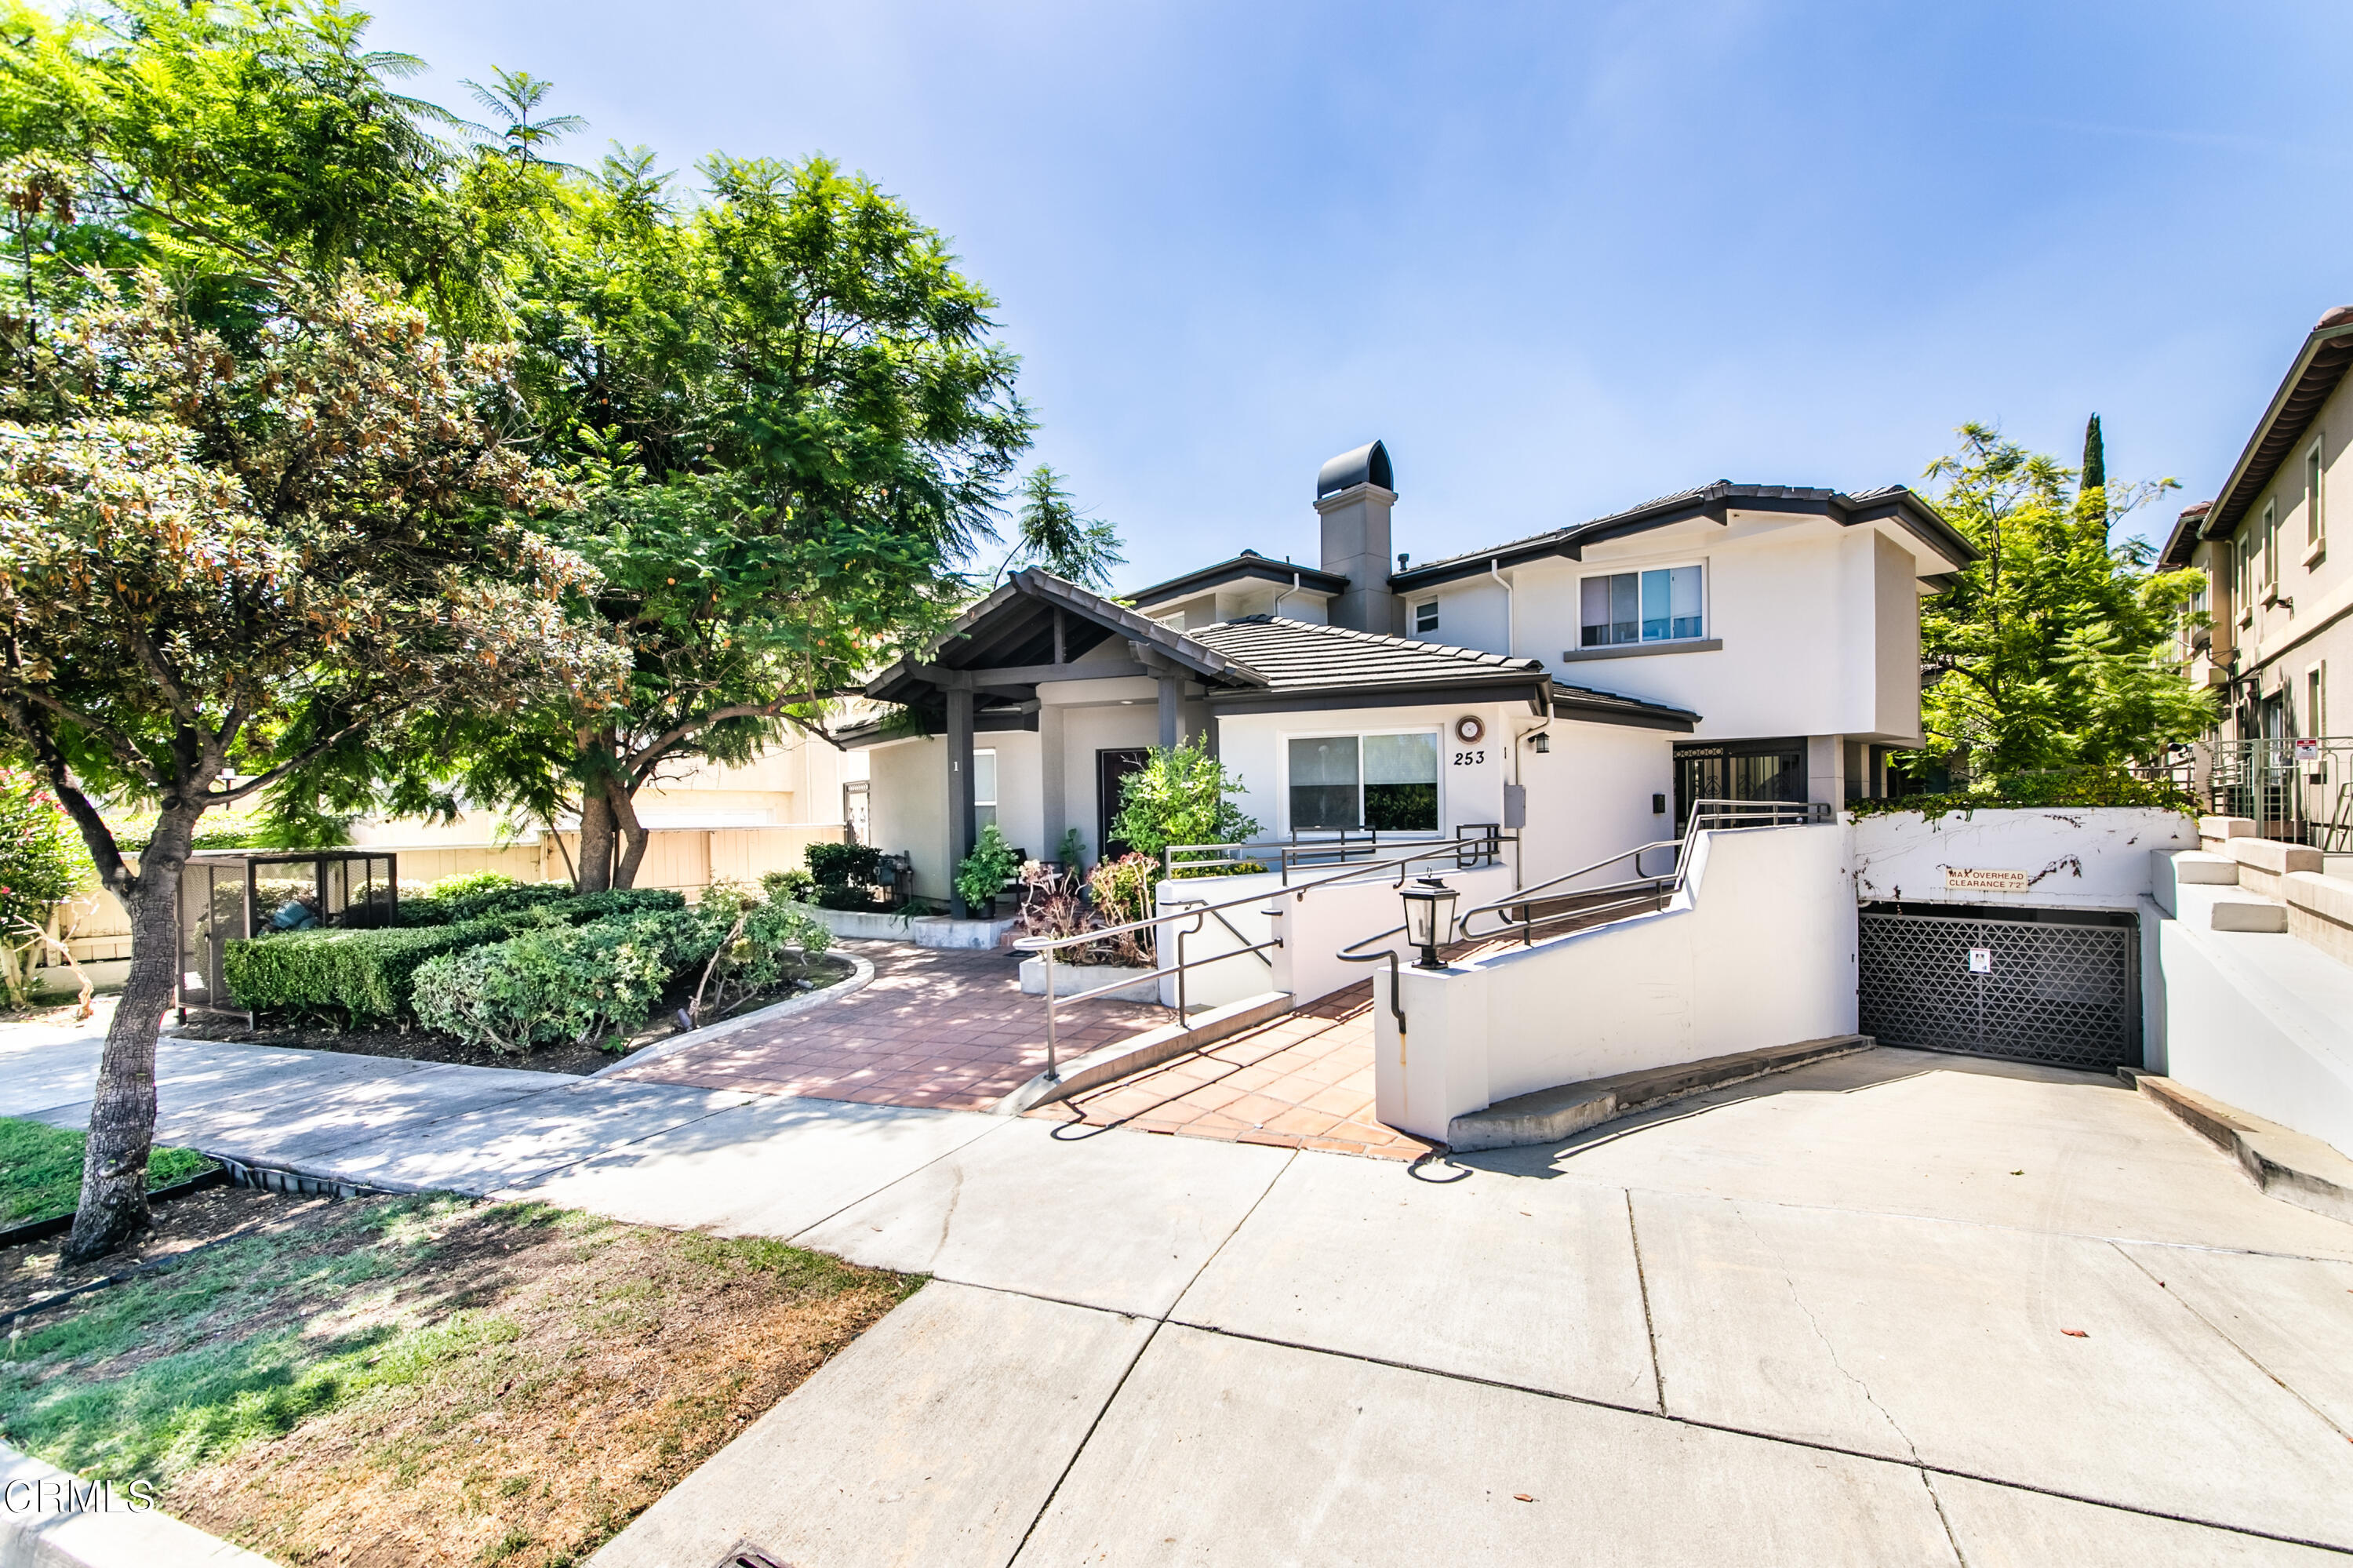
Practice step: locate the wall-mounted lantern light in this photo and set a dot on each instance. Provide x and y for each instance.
(1540, 743)
(1428, 917)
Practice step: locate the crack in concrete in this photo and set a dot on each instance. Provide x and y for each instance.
(1830, 1350)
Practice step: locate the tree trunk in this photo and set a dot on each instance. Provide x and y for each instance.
(596, 829)
(633, 834)
(122, 1113)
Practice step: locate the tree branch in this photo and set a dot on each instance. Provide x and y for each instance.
(104, 853)
(640, 762)
(308, 755)
(129, 756)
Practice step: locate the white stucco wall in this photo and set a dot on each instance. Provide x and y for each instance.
(909, 805)
(1757, 949)
(1470, 778)
(1590, 796)
(1819, 625)
(2087, 858)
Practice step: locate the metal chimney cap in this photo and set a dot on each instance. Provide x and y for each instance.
(1369, 464)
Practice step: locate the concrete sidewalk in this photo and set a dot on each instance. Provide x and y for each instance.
(1894, 1308)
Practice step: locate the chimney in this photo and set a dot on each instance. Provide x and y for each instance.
(1354, 494)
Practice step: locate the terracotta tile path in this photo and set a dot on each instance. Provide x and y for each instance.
(1304, 1081)
(935, 1028)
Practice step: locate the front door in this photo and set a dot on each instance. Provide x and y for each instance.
(1113, 770)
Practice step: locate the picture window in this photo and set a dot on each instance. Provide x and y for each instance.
(1663, 605)
(1343, 783)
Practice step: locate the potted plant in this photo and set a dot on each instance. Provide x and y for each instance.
(981, 875)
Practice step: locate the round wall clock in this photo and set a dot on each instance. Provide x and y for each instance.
(1468, 729)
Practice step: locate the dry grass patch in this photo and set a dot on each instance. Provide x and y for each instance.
(426, 1381)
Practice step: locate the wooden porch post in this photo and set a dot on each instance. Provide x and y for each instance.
(1171, 690)
(963, 820)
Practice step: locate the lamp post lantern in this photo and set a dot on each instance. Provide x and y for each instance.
(1428, 917)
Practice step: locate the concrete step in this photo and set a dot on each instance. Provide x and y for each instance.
(2286, 1164)
(1548, 1116)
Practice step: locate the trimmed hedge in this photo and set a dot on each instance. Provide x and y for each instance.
(368, 973)
(573, 983)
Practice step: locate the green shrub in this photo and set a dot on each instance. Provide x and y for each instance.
(841, 866)
(365, 973)
(464, 883)
(573, 983)
(368, 973)
(2060, 788)
(789, 886)
(1178, 797)
(981, 875)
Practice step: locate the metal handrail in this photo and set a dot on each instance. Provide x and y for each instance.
(1706, 816)
(1481, 844)
(1045, 947)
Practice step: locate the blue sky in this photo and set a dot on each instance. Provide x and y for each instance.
(1561, 258)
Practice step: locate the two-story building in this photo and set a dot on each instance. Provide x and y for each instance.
(2278, 607)
(1579, 686)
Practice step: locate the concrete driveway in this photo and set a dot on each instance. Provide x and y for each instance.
(1892, 1307)
(1895, 1308)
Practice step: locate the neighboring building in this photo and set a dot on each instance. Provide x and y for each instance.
(1580, 686)
(2281, 609)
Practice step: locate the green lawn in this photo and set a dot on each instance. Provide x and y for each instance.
(485, 1384)
(40, 1170)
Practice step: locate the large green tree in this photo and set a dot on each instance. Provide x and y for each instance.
(792, 430)
(2053, 650)
(266, 473)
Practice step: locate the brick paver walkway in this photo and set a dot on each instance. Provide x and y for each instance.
(1304, 1081)
(935, 1028)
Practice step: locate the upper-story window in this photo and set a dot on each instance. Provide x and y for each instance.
(1657, 606)
(1425, 618)
(2270, 533)
(2313, 526)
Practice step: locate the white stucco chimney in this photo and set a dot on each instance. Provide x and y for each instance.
(1354, 494)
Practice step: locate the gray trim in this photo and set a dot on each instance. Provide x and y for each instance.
(1637, 650)
(1577, 712)
(1250, 566)
(1326, 701)
(1715, 502)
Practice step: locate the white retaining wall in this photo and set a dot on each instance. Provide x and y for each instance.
(2095, 858)
(1758, 948)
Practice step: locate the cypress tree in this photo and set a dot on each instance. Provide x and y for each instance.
(2095, 458)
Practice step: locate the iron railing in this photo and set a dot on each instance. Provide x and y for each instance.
(1480, 848)
(1639, 892)
(2299, 789)
(1480, 844)
(1707, 815)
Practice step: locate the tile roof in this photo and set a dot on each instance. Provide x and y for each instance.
(1710, 500)
(1299, 656)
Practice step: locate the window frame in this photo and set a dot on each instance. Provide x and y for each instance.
(2269, 530)
(2315, 487)
(1706, 608)
(1431, 605)
(984, 811)
(1437, 732)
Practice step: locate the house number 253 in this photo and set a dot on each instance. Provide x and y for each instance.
(1469, 758)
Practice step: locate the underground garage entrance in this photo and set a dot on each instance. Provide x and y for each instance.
(2057, 986)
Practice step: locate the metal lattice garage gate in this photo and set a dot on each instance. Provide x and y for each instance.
(2061, 988)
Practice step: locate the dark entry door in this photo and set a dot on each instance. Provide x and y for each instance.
(1113, 770)
(1738, 771)
(2062, 989)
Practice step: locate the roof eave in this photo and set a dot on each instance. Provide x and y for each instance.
(2222, 516)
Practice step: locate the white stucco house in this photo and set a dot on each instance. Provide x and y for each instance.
(1579, 684)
